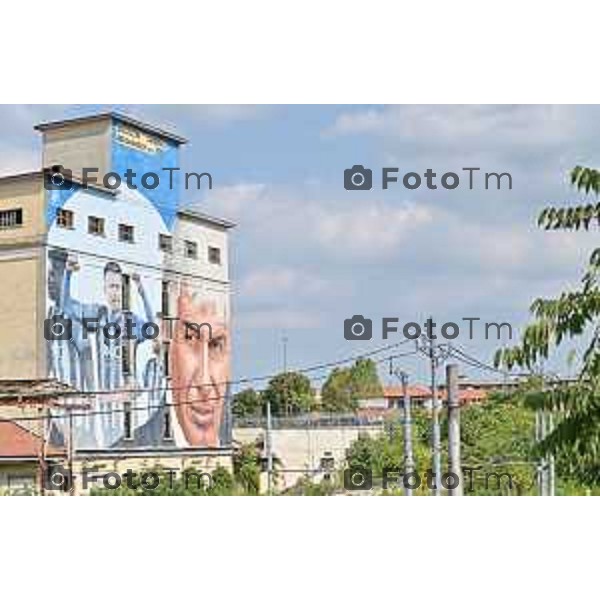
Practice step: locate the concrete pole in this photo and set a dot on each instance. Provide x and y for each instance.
(436, 438)
(269, 450)
(454, 427)
(409, 463)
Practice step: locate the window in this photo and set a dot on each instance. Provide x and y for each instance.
(167, 431)
(214, 255)
(11, 218)
(190, 249)
(96, 225)
(126, 292)
(166, 359)
(165, 243)
(21, 483)
(64, 218)
(165, 298)
(126, 358)
(127, 421)
(125, 233)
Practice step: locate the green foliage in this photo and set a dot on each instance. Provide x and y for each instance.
(247, 403)
(498, 438)
(573, 314)
(346, 386)
(376, 453)
(305, 486)
(190, 482)
(247, 468)
(289, 394)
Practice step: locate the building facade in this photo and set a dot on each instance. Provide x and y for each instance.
(119, 292)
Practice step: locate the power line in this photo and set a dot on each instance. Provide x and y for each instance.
(243, 380)
(147, 407)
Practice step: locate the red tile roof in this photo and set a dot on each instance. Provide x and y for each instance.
(16, 441)
(421, 392)
(414, 391)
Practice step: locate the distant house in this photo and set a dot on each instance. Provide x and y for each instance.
(420, 395)
(25, 451)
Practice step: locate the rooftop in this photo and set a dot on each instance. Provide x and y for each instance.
(18, 442)
(192, 213)
(115, 116)
(28, 389)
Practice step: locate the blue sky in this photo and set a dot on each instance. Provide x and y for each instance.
(307, 254)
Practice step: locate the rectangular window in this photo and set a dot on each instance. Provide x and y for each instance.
(126, 358)
(165, 299)
(95, 225)
(126, 292)
(166, 359)
(165, 243)
(64, 218)
(167, 431)
(214, 255)
(190, 249)
(127, 421)
(11, 218)
(125, 233)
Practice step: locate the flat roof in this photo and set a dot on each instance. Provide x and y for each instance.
(116, 116)
(192, 213)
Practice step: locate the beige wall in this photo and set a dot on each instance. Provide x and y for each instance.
(26, 192)
(22, 349)
(21, 275)
(301, 449)
(79, 145)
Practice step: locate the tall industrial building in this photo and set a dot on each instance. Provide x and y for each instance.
(120, 294)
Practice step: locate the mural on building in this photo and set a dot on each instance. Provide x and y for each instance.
(150, 380)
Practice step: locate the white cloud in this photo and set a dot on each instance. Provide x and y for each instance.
(369, 231)
(234, 201)
(441, 124)
(278, 319)
(273, 281)
(15, 160)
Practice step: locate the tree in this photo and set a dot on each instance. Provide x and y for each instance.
(346, 386)
(247, 468)
(289, 393)
(572, 314)
(247, 403)
(497, 439)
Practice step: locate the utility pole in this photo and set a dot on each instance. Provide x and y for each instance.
(426, 344)
(542, 467)
(269, 450)
(436, 438)
(70, 454)
(42, 452)
(285, 342)
(409, 463)
(454, 427)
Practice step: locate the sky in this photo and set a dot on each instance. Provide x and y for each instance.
(308, 254)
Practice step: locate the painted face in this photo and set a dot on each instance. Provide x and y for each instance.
(112, 290)
(200, 370)
(55, 278)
